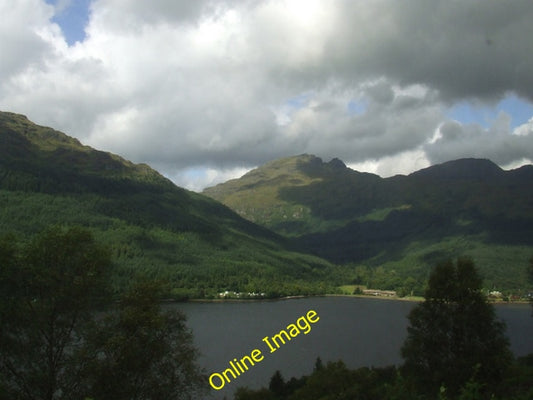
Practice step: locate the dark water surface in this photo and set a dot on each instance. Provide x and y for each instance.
(361, 332)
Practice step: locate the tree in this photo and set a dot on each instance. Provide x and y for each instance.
(332, 381)
(144, 353)
(61, 338)
(277, 384)
(530, 275)
(454, 333)
(51, 287)
(319, 365)
(244, 393)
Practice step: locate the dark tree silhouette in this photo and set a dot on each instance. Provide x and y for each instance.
(61, 338)
(52, 286)
(144, 352)
(453, 335)
(277, 384)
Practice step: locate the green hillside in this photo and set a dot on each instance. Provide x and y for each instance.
(154, 228)
(391, 230)
(269, 195)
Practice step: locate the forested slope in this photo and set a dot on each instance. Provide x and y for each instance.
(395, 227)
(154, 228)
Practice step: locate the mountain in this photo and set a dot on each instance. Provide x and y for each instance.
(270, 195)
(402, 224)
(153, 228)
(36, 158)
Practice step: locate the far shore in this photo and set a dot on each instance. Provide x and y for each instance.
(414, 299)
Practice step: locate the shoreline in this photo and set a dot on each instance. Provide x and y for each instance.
(234, 300)
(413, 299)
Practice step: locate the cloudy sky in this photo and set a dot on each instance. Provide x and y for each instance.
(204, 90)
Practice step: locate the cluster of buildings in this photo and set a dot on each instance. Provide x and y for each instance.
(382, 293)
(240, 295)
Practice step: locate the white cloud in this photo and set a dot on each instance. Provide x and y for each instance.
(524, 129)
(215, 86)
(498, 143)
(22, 45)
(196, 179)
(518, 163)
(402, 163)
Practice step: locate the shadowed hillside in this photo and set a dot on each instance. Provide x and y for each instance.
(154, 228)
(401, 223)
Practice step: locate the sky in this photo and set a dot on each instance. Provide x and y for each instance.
(206, 90)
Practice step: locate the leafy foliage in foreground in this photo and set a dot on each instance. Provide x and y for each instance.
(143, 353)
(454, 335)
(50, 289)
(60, 337)
(335, 380)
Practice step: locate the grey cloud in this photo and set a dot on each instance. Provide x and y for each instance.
(180, 84)
(394, 124)
(133, 15)
(380, 92)
(497, 142)
(21, 46)
(464, 49)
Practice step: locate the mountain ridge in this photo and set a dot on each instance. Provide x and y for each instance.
(379, 232)
(405, 222)
(31, 146)
(197, 246)
(463, 168)
(305, 169)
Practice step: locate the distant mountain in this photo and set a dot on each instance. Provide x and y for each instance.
(402, 223)
(154, 228)
(466, 169)
(270, 195)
